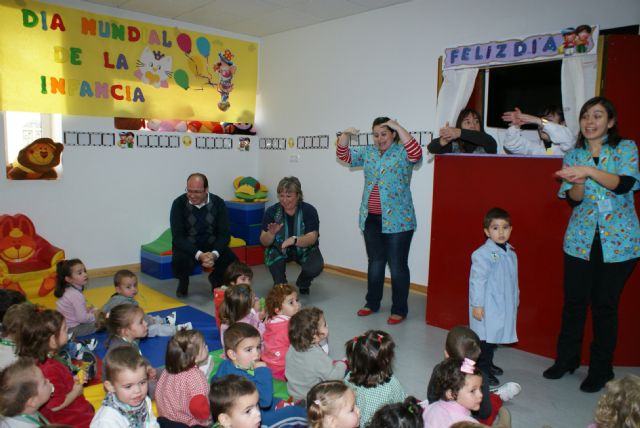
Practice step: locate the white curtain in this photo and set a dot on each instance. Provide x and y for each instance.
(454, 94)
(578, 84)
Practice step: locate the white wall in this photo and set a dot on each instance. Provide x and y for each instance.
(111, 200)
(312, 81)
(346, 72)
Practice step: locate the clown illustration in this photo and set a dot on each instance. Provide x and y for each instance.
(225, 70)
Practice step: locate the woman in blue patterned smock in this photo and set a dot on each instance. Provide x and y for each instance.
(602, 241)
(387, 218)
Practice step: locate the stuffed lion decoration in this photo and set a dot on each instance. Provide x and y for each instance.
(36, 161)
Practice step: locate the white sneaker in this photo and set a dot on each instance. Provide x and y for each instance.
(508, 390)
(188, 326)
(171, 318)
(92, 344)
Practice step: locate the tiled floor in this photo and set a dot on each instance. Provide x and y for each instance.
(559, 403)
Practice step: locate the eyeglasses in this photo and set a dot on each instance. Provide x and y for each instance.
(195, 192)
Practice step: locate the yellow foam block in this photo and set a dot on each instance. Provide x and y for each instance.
(149, 299)
(237, 242)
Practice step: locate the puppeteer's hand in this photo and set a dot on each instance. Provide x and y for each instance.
(513, 118)
(477, 312)
(449, 132)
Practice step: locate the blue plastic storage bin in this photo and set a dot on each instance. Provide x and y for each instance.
(249, 232)
(160, 266)
(248, 213)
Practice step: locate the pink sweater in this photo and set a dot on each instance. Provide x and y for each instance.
(275, 342)
(73, 305)
(443, 414)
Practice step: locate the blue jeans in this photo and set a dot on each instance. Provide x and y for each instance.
(383, 248)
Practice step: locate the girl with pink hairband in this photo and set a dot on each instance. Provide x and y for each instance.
(458, 384)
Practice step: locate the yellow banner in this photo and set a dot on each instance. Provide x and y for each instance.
(55, 59)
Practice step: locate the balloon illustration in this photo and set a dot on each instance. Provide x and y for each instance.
(204, 47)
(181, 78)
(197, 65)
(184, 42)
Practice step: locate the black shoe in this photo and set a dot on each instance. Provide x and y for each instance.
(594, 383)
(557, 370)
(304, 290)
(493, 380)
(495, 370)
(182, 290)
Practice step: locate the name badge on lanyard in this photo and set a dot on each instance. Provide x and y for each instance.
(604, 206)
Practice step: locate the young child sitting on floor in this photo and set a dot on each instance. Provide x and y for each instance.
(182, 390)
(71, 281)
(236, 273)
(242, 346)
(12, 321)
(306, 362)
(234, 402)
(126, 326)
(461, 343)
(458, 388)
(332, 404)
(240, 305)
(23, 390)
(126, 285)
(619, 406)
(282, 304)
(126, 404)
(41, 339)
(370, 359)
(406, 414)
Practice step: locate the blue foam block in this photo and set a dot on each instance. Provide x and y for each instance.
(154, 348)
(245, 212)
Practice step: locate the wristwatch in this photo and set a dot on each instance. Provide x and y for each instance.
(295, 239)
(543, 122)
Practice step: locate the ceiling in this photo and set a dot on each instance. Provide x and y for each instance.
(251, 17)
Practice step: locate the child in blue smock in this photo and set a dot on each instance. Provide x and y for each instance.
(493, 291)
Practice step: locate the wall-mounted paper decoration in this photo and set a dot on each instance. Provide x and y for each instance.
(244, 144)
(422, 137)
(313, 142)
(273, 143)
(214, 143)
(155, 141)
(363, 139)
(366, 139)
(58, 59)
(581, 40)
(104, 139)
